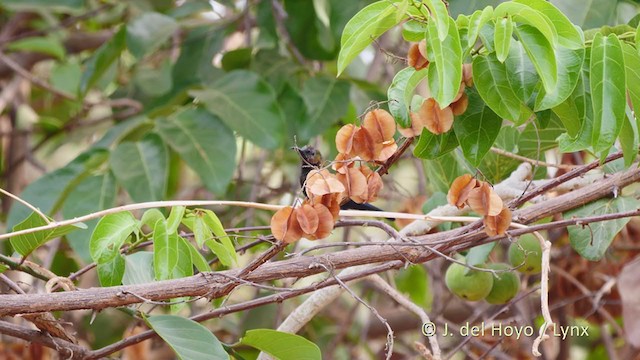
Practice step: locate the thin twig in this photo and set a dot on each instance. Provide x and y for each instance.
(531, 161)
(26, 203)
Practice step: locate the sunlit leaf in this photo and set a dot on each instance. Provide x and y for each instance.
(190, 340)
(477, 129)
(284, 346)
(401, 92)
(445, 69)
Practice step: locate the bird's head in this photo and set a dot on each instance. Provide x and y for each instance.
(310, 155)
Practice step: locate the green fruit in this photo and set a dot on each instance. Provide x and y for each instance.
(473, 286)
(505, 286)
(526, 251)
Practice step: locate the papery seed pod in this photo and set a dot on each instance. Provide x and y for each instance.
(285, 226)
(355, 183)
(326, 223)
(364, 146)
(438, 121)
(331, 202)
(345, 138)
(467, 74)
(321, 182)
(388, 149)
(484, 200)
(417, 124)
(380, 125)
(460, 92)
(415, 58)
(499, 224)
(460, 106)
(342, 162)
(422, 47)
(307, 218)
(460, 189)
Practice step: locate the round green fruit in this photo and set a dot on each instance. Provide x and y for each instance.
(473, 286)
(526, 251)
(505, 287)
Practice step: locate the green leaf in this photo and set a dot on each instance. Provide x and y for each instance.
(444, 170)
(629, 139)
(573, 111)
(142, 168)
(479, 254)
(148, 32)
(138, 268)
(110, 234)
(521, 73)
(413, 31)
(502, 37)
(175, 217)
(66, 77)
(236, 59)
(171, 254)
(632, 75)
(414, 281)
(246, 104)
(204, 143)
(295, 113)
(637, 38)
(281, 345)
(214, 224)
(190, 340)
(38, 5)
(525, 15)
(476, 129)
(150, 217)
(25, 244)
(445, 69)
(431, 146)
(202, 223)
(607, 91)
(401, 91)
(102, 59)
(541, 53)
(364, 27)
(568, 35)
(326, 99)
(477, 20)
(92, 194)
(44, 45)
(439, 13)
(111, 272)
(154, 80)
(496, 168)
(569, 63)
(197, 259)
(591, 241)
(491, 79)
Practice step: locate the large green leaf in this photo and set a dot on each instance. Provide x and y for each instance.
(190, 340)
(50, 190)
(326, 99)
(503, 32)
(569, 63)
(431, 146)
(414, 281)
(592, 241)
(632, 74)
(92, 194)
(445, 69)
(476, 129)
(25, 244)
(607, 91)
(148, 32)
(400, 94)
(138, 268)
(142, 168)
(541, 53)
(629, 139)
(444, 170)
(171, 254)
(496, 168)
(439, 13)
(477, 20)
(102, 59)
(110, 273)
(572, 112)
(282, 345)
(568, 35)
(364, 27)
(246, 104)
(521, 73)
(110, 234)
(215, 225)
(204, 143)
(491, 79)
(523, 14)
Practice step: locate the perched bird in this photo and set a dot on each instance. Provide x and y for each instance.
(311, 159)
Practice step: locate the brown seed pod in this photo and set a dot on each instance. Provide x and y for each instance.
(499, 224)
(460, 189)
(307, 218)
(364, 146)
(467, 74)
(345, 138)
(415, 58)
(438, 121)
(380, 125)
(484, 200)
(460, 106)
(341, 163)
(285, 226)
(355, 183)
(325, 223)
(417, 124)
(321, 182)
(422, 47)
(331, 202)
(460, 92)
(388, 149)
